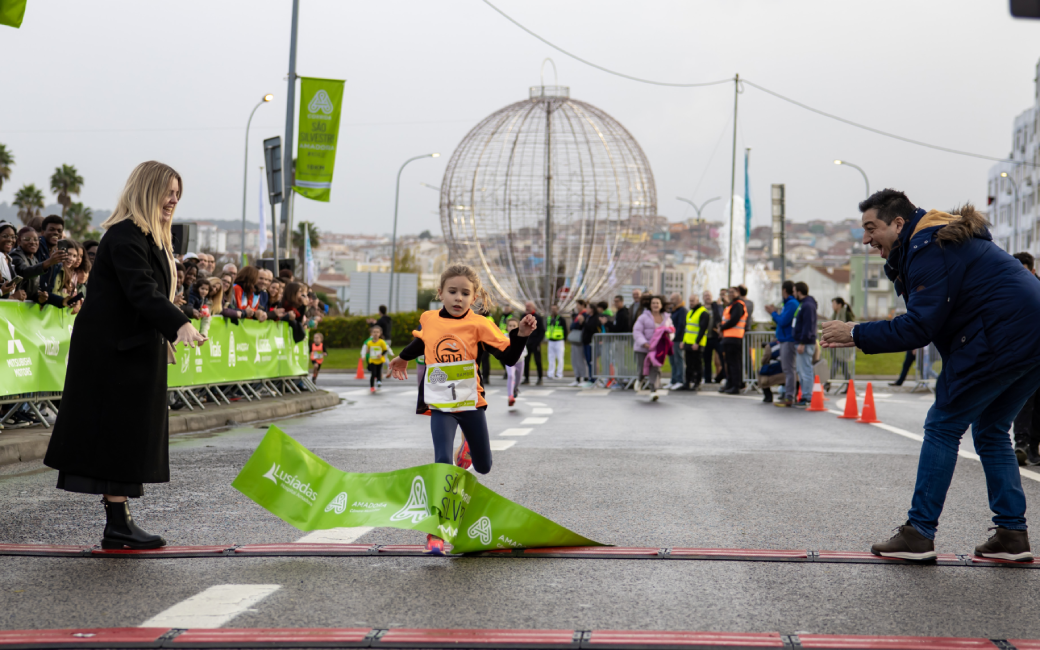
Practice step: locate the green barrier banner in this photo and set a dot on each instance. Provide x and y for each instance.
(320, 103)
(303, 490)
(37, 347)
(244, 352)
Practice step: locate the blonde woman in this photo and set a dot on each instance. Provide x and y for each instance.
(112, 436)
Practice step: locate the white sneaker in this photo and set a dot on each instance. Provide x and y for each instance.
(575, 383)
(588, 384)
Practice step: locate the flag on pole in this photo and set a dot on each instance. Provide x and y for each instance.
(747, 198)
(309, 270)
(12, 12)
(262, 235)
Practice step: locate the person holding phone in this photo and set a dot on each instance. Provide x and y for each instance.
(130, 327)
(31, 265)
(9, 277)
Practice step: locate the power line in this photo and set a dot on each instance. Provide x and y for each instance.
(765, 90)
(599, 67)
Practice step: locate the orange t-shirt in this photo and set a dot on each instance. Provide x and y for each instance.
(457, 339)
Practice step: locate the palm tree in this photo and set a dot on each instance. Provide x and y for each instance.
(297, 238)
(6, 162)
(29, 201)
(66, 181)
(78, 220)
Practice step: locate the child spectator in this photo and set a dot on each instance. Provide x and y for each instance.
(317, 354)
(374, 352)
(293, 305)
(200, 301)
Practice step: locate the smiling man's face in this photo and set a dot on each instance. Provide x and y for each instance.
(880, 235)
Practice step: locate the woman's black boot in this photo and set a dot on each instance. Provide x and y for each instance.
(121, 531)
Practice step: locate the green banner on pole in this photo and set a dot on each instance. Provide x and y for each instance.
(12, 12)
(292, 483)
(320, 103)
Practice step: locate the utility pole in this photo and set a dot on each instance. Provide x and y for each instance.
(290, 118)
(732, 182)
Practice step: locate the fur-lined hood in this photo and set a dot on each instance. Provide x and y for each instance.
(960, 225)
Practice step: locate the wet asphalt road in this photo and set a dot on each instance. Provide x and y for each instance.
(691, 470)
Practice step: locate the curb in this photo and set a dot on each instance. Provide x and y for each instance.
(18, 446)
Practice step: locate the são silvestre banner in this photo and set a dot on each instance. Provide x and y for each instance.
(36, 347)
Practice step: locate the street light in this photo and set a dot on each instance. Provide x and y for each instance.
(432, 187)
(245, 176)
(714, 198)
(393, 240)
(1014, 218)
(866, 253)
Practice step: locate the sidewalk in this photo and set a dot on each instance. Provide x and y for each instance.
(19, 445)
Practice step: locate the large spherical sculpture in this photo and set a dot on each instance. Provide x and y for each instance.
(548, 198)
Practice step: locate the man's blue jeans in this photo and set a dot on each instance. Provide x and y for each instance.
(678, 365)
(803, 362)
(989, 408)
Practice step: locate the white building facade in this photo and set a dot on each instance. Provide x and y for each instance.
(1012, 186)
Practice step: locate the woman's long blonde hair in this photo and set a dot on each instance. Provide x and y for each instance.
(481, 298)
(142, 199)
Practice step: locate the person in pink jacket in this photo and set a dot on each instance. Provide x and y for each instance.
(653, 322)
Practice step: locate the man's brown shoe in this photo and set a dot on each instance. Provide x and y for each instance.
(1006, 544)
(907, 544)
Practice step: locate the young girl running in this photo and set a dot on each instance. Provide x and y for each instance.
(317, 354)
(514, 372)
(451, 392)
(374, 352)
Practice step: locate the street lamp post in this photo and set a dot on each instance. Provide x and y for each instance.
(1014, 212)
(245, 173)
(866, 251)
(698, 210)
(393, 240)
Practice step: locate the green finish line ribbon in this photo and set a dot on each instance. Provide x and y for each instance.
(292, 483)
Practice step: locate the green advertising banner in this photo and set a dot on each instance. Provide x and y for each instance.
(443, 500)
(320, 102)
(37, 348)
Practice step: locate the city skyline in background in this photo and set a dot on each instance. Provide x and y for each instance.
(415, 85)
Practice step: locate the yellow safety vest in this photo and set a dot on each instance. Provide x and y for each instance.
(554, 330)
(502, 325)
(737, 331)
(693, 334)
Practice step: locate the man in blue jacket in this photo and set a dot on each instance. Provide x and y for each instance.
(784, 320)
(805, 340)
(979, 307)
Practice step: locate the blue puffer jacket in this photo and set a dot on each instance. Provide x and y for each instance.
(973, 300)
(784, 320)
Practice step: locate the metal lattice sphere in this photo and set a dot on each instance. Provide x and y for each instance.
(550, 178)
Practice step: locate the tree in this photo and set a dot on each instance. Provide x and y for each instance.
(406, 261)
(29, 201)
(78, 221)
(66, 181)
(314, 234)
(425, 235)
(6, 162)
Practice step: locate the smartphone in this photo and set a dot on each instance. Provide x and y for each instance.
(74, 299)
(63, 245)
(16, 280)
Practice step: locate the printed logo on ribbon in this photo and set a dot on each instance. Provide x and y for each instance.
(320, 102)
(291, 483)
(438, 376)
(417, 507)
(448, 532)
(482, 529)
(339, 504)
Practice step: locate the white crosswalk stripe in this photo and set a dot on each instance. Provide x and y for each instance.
(211, 608)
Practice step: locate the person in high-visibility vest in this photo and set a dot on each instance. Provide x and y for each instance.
(734, 323)
(556, 333)
(695, 337)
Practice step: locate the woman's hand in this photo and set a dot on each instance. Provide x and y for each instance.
(249, 312)
(527, 325)
(398, 368)
(261, 315)
(190, 336)
(18, 295)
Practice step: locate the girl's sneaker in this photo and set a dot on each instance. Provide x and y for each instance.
(512, 400)
(372, 390)
(434, 545)
(462, 457)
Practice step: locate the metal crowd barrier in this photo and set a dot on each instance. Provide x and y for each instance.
(226, 391)
(836, 367)
(614, 361)
(924, 367)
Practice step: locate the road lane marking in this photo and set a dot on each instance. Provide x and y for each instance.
(531, 403)
(334, 535)
(537, 392)
(516, 432)
(502, 445)
(541, 411)
(594, 392)
(211, 608)
(528, 421)
(351, 393)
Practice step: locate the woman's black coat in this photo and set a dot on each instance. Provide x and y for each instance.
(113, 423)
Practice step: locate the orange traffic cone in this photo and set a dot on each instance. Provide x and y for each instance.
(817, 396)
(360, 369)
(851, 410)
(869, 416)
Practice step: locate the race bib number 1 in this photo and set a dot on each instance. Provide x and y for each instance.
(451, 386)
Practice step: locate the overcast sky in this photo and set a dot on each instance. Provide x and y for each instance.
(104, 85)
